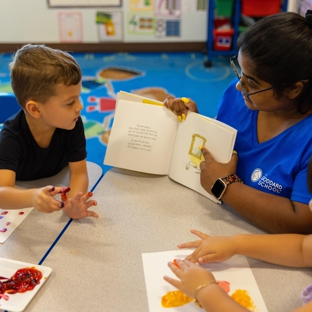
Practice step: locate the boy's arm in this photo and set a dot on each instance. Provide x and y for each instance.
(78, 177)
(15, 198)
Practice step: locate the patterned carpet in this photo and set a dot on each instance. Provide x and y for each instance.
(154, 75)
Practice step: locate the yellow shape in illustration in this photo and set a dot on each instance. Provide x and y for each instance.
(195, 154)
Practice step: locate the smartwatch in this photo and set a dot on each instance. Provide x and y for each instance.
(221, 184)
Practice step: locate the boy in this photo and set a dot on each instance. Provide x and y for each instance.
(46, 134)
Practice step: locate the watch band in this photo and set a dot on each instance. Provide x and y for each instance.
(231, 179)
(221, 184)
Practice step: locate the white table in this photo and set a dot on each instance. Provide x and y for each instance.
(34, 236)
(97, 263)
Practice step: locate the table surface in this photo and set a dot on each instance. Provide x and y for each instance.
(97, 263)
(33, 237)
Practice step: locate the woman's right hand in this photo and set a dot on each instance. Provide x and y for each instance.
(180, 106)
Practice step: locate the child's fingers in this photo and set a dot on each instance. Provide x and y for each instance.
(92, 214)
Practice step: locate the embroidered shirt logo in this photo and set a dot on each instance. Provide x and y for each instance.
(256, 175)
(265, 182)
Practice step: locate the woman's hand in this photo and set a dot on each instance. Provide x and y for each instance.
(212, 170)
(180, 106)
(210, 249)
(189, 275)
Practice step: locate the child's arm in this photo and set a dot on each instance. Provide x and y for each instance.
(16, 198)
(293, 250)
(192, 279)
(306, 308)
(77, 205)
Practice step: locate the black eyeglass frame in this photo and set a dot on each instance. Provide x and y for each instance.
(240, 77)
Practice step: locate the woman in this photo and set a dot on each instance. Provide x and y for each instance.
(272, 113)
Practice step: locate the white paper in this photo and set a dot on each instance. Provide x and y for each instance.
(236, 271)
(10, 220)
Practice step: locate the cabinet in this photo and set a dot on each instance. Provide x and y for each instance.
(235, 22)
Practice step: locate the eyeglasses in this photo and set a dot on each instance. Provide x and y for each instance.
(239, 76)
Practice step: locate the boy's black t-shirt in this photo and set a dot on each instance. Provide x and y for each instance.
(20, 152)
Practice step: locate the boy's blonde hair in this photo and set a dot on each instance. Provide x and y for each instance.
(36, 70)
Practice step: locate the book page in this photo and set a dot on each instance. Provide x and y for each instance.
(194, 132)
(142, 138)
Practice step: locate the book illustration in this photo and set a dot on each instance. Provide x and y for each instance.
(195, 154)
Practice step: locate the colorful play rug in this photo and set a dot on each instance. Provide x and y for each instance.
(154, 75)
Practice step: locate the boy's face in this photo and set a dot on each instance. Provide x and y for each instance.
(310, 204)
(63, 109)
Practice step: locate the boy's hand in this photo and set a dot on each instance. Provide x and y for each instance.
(44, 200)
(180, 106)
(210, 249)
(77, 206)
(190, 277)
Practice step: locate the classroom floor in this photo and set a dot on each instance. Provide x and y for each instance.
(155, 75)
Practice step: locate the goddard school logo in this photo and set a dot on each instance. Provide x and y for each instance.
(265, 182)
(256, 175)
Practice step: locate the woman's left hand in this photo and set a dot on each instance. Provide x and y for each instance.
(212, 170)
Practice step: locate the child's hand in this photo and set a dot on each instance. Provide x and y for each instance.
(44, 200)
(210, 249)
(180, 106)
(77, 206)
(190, 277)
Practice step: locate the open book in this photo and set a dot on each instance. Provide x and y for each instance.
(147, 137)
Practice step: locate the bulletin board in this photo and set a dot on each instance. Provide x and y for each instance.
(83, 3)
(104, 21)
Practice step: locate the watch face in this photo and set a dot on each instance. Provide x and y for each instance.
(218, 188)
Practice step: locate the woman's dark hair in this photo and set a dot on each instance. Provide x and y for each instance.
(280, 49)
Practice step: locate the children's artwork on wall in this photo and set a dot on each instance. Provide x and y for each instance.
(140, 24)
(10, 220)
(167, 28)
(109, 25)
(234, 276)
(194, 5)
(83, 3)
(168, 8)
(141, 5)
(70, 26)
